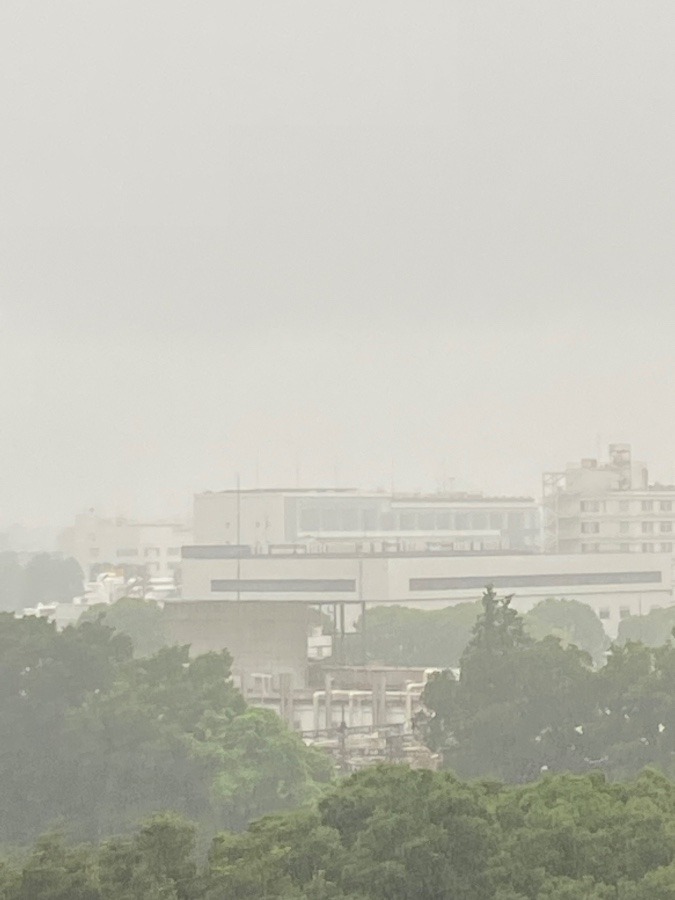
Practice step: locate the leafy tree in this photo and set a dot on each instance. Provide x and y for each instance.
(401, 636)
(93, 740)
(49, 579)
(142, 620)
(570, 621)
(653, 629)
(389, 833)
(514, 710)
(11, 582)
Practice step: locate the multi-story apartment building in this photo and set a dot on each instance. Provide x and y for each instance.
(608, 507)
(330, 517)
(153, 546)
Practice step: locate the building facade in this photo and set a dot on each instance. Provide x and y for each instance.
(263, 519)
(608, 507)
(153, 546)
(614, 586)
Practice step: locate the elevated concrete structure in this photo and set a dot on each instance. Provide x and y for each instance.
(262, 636)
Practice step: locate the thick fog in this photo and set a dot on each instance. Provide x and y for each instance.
(348, 242)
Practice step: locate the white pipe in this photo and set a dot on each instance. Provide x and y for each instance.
(316, 697)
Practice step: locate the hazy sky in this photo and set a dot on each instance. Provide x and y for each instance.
(361, 240)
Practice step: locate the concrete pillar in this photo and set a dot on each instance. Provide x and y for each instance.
(286, 698)
(380, 698)
(329, 702)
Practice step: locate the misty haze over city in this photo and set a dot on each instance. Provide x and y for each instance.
(330, 239)
(337, 483)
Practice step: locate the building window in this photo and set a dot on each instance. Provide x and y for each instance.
(666, 548)
(665, 527)
(647, 505)
(427, 521)
(624, 612)
(624, 527)
(624, 548)
(151, 552)
(647, 548)
(127, 552)
(590, 548)
(309, 520)
(443, 521)
(666, 506)
(590, 527)
(603, 612)
(174, 551)
(408, 521)
(624, 506)
(387, 522)
(590, 506)
(648, 528)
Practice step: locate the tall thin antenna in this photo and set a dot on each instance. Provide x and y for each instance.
(238, 537)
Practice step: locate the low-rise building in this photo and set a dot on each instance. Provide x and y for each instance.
(154, 547)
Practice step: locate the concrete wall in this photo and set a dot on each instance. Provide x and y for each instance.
(261, 518)
(261, 636)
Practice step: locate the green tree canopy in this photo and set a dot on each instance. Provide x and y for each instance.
(93, 739)
(401, 636)
(570, 621)
(142, 620)
(652, 629)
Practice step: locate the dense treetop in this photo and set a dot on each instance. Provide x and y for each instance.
(390, 833)
(94, 740)
(521, 707)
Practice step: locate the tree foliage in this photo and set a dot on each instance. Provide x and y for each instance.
(390, 833)
(521, 707)
(401, 636)
(142, 620)
(652, 629)
(93, 740)
(570, 621)
(43, 579)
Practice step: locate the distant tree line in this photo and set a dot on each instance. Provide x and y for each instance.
(404, 636)
(43, 579)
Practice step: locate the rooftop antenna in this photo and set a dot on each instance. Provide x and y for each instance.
(238, 537)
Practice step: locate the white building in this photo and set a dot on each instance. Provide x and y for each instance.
(153, 546)
(614, 585)
(265, 519)
(608, 507)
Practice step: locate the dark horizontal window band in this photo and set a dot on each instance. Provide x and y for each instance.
(515, 581)
(284, 585)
